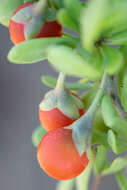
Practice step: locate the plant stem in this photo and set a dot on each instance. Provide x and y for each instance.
(82, 128)
(97, 182)
(39, 7)
(82, 181)
(60, 82)
(113, 92)
(96, 102)
(94, 106)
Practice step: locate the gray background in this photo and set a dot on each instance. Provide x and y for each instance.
(20, 93)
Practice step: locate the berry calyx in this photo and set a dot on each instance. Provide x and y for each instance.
(55, 118)
(58, 156)
(60, 107)
(17, 28)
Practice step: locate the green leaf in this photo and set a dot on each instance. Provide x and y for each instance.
(66, 60)
(37, 135)
(56, 3)
(113, 59)
(100, 138)
(119, 38)
(51, 82)
(82, 181)
(94, 58)
(116, 19)
(35, 50)
(68, 185)
(118, 146)
(123, 91)
(100, 160)
(118, 164)
(65, 19)
(50, 14)
(88, 97)
(101, 18)
(121, 180)
(112, 119)
(74, 9)
(92, 22)
(7, 8)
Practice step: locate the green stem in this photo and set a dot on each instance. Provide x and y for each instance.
(82, 181)
(113, 92)
(82, 128)
(60, 82)
(96, 102)
(96, 182)
(51, 82)
(39, 7)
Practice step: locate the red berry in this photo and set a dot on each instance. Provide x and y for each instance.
(16, 29)
(58, 156)
(54, 118)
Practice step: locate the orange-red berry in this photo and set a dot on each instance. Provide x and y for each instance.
(54, 118)
(16, 29)
(58, 156)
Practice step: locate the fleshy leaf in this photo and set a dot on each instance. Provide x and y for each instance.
(119, 38)
(37, 135)
(92, 22)
(112, 119)
(7, 8)
(123, 91)
(66, 20)
(74, 9)
(66, 60)
(100, 160)
(121, 180)
(118, 146)
(35, 50)
(100, 138)
(101, 18)
(113, 59)
(118, 164)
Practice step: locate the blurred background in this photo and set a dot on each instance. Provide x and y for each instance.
(20, 93)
